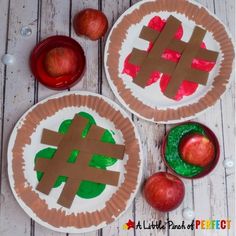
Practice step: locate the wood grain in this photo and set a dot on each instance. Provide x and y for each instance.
(226, 12)
(19, 96)
(90, 80)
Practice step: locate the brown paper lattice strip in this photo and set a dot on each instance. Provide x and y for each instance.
(153, 61)
(95, 145)
(80, 170)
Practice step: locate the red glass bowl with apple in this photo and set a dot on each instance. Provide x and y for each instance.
(58, 62)
(190, 141)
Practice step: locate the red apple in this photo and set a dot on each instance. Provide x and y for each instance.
(60, 61)
(91, 23)
(164, 191)
(197, 149)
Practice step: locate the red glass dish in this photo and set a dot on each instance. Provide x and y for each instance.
(37, 58)
(207, 170)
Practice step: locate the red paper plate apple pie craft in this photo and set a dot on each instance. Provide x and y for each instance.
(177, 61)
(164, 60)
(58, 62)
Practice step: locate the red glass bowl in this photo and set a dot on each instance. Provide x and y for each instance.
(37, 57)
(207, 170)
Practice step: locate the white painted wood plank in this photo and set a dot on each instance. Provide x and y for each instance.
(113, 9)
(89, 81)
(177, 217)
(210, 199)
(18, 98)
(151, 136)
(54, 20)
(226, 12)
(3, 37)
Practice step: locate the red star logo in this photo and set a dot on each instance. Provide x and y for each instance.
(130, 224)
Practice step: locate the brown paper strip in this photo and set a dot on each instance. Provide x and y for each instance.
(54, 138)
(68, 193)
(149, 34)
(183, 69)
(51, 138)
(154, 56)
(177, 45)
(95, 146)
(85, 172)
(206, 54)
(137, 56)
(198, 76)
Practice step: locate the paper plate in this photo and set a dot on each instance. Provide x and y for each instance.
(84, 214)
(149, 103)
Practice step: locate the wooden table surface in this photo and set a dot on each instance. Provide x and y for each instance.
(211, 197)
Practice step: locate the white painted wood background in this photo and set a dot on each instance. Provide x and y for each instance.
(211, 197)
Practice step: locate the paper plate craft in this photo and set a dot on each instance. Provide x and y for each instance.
(190, 150)
(74, 162)
(168, 60)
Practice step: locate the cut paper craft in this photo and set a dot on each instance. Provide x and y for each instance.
(80, 170)
(179, 71)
